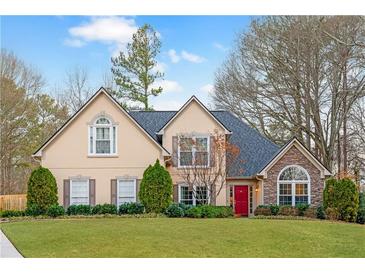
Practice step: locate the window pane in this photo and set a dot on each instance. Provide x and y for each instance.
(285, 200)
(301, 200)
(102, 133)
(102, 146)
(91, 144)
(186, 158)
(102, 121)
(186, 144)
(251, 199)
(186, 196)
(293, 173)
(114, 140)
(201, 158)
(285, 189)
(201, 195)
(301, 189)
(79, 192)
(202, 144)
(126, 191)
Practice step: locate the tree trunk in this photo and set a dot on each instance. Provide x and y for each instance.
(344, 134)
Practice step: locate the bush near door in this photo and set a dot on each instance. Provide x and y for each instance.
(341, 199)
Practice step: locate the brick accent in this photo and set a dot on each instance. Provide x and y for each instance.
(293, 157)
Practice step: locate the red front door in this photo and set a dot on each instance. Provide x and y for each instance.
(241, 200)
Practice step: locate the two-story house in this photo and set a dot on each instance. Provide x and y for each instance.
(99, 156)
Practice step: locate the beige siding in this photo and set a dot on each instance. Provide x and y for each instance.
(192, 120)
(67, 155)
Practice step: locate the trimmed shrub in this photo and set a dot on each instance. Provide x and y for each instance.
(361, 211)
(288, 211)
(194, 212)
(320, 213)
(310, 212)
(42, 189)
(301, 208)
(343, 196)
(174, 211)
(55, 211)
(34, 210)
(79, 210)
(131, 208)
(156, 188)
(274, 209)
(104, 209)
(332, 213)
(12, 213)
(208, 211)
(261, 210)
(184, 206)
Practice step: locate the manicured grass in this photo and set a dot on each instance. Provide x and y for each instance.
(164, 237)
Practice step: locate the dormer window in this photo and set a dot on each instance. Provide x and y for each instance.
(102, 137)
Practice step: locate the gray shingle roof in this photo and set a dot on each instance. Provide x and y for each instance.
(255, 150)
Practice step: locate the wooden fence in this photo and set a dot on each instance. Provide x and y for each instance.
(13, 202)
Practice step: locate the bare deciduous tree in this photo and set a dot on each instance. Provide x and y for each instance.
(286, 76)
(27, 117)
(204, 168)
(77, 88)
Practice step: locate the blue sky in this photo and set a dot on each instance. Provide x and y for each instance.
(193, 47)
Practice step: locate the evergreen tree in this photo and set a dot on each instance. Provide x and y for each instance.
(156, 188)
(134, 71)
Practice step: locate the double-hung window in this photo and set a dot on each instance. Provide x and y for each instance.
(190, 197)
(293, 186)
(126, 191)
(79, 192)
(193, 151)
(102, 137)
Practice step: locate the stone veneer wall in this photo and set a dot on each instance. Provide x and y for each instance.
(293, 157)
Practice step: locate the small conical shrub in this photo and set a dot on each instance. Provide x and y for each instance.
(42, 189)
(156, 188)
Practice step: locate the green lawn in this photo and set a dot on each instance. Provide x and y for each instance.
(164, 237)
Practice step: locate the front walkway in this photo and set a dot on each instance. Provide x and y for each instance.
(7, 250)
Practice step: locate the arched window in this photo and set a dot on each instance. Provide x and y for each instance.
(102, 137)
(293, 186)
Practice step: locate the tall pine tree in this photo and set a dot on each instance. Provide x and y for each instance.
(134, 70)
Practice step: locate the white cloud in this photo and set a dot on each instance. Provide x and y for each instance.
(208, 88)
(192, 57)
(115, 31)
(173, 56)
(167, 104)
(161, 67)
(168, 86)
(220, 46)
(76, 43)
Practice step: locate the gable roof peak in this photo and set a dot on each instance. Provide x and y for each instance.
(193, 98)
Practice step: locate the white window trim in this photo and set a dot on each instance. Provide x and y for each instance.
(88, 188)
(120, 180)
(293, 183)
(111, 126)
(193, 152)
(194, 198)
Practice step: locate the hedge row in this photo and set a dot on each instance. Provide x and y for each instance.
(203, 211)
(302, 210)
(57, 210)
